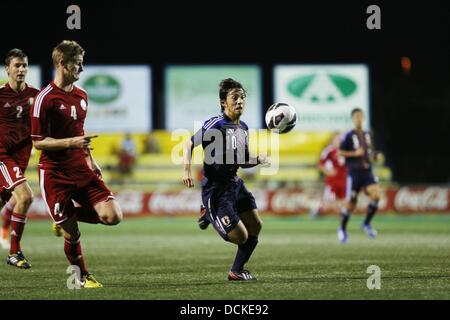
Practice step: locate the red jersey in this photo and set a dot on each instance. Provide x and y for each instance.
(330, 160)
(59, 114)
(15, 126)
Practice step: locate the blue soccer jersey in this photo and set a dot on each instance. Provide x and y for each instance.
(352, 141)
(225, 146)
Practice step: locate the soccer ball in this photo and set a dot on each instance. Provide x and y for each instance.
(281, 118)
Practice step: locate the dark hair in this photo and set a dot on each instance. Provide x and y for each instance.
(14, 53)
(226, 86)
(356, 110)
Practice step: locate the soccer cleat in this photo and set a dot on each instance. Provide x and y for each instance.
(57, 230)
(342, 236)
(88, 281)
(18, 260)
(203, 223)
(367, 228)
(243, 275)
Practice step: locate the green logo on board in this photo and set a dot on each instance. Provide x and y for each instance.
(322, 87)
(102, 88)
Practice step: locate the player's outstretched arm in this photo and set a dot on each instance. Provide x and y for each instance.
(52, 144)
(187, 156)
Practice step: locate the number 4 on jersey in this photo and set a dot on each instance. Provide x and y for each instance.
(73, 112)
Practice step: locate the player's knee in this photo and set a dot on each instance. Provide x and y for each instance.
(28, 200)
(112, 219)
(118, 217)
(111, 215)
(241, 240)
(25, 199)
(238, 240)
(257, 227)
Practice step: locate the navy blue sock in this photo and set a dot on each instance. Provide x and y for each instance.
(345, 215)
(371, 210)
(244, 252)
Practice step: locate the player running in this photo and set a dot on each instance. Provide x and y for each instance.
(332, 165)
(70, 186)
(230, 207)
(356, 147)
(16, 98)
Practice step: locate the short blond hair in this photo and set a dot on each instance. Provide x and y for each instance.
(66, 51)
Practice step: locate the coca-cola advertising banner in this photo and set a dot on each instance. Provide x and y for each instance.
(279, 202)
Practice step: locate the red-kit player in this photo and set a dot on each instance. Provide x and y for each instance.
(65, 177)
(332, 165)
(16, 98)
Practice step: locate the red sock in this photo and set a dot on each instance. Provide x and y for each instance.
(17, 225)
(72, 249)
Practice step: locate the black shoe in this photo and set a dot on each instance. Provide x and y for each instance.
(18, 260)
(243, 275)
(203, 223)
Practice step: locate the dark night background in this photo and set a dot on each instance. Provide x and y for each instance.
(410, 112)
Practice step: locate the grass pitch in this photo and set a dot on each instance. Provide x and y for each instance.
(170, 258)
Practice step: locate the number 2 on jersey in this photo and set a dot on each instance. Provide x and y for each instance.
(17, 171)
(19, 111)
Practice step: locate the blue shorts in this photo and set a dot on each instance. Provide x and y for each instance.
(224, 203)
(358, 180)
